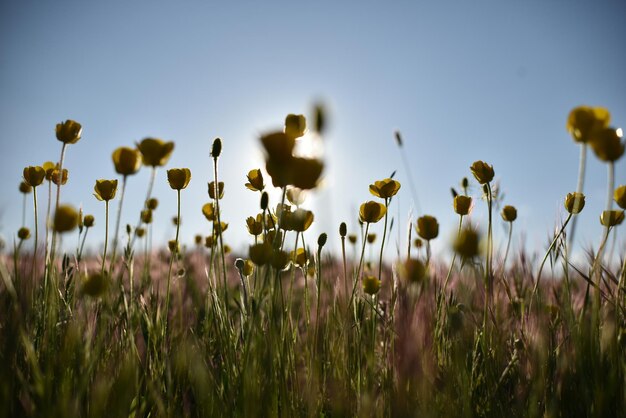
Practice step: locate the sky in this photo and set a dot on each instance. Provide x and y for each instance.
(463, 81)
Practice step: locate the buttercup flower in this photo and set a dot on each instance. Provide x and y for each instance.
(606, 144)
(173, 246)
(427, 227)
(413, 270)
(49, 167)
(385, 188)
(140, 232)
(612, 217)
(155, 152)
(295, 125)
(300, 220)
(255, 225)
(94, 285)
(146, 216)
(371, 285)
(509, 213)
(152, 203)
(574, 202)
(261, 254)
(352, 238)
(178, 178)
(65, 219)
(482, 171)
(583, 120)
(220, 189)
(25, 188)
(88, 221)
(34, 175)
(371, 238)
(69, 132)
(59, 176)
(296, 196)
(105, 190)
(462, 204)
(255, 180)
(23, 233)
(620, 196)
(208, 211)
(126, 160)
(371, 211)
(466, 243)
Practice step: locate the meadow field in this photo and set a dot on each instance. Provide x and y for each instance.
(288, 328)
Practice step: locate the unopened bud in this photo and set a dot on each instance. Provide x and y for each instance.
(216, 150)
(343, 230)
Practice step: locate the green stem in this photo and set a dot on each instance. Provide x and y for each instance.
(106, 234)
(445, 285)
(58, 197)
(23, 209)
(34, 273)
(382, 244)
(358, 271)
(145, 202)
(117, 222)
(582, 162)
(172, 256)
(219, 222)
(508, 246)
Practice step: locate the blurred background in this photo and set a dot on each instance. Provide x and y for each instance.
(489, 80)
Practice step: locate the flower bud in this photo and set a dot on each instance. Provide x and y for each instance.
(574, 202)
(509, 213)
(321, 240)
(216, 149)
(343, 230)
(23, 233)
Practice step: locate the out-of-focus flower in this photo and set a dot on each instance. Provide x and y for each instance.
(606, 144)
(65, 219)
(295, 125)
(509, 213)
(583, 120)
(25, 188)
(208, 210)
(255, 225)
(69, 132)
(88, 221)
(261, 254)
(59, 176)
(127, 161)
(467, 243)
(371, 285)
(152, 203)
(412, 270)
(94, 285)
(427, 227)
(146, 216)
(462, 204)
(620, 196)
(23, 233)
(371, 211)
(385, 188)
(155, 152)
(612, 217)
(49, 167)
(482, 171)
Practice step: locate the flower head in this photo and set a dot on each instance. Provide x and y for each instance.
(295, 125)
(59, 177)
(65, 219)
(482, 171)
(612, 217)
(413, 270)
(25, 188)
(105, 190)
(152, 203)
(178, 178)
(255, 225)
(69, 132)
(583, 120)
(385, 188)
(220, 189)
(155, 152)
(574, 202)
(88, 221)
(371, 211)
(467, 243)
(371, 285)
(34, 175)
(23, 233)
(146, 216)
(49, 167)
(255, 180)
(427, 227)
(462, 204)
(620, 196)
(94, 285)
(509, 213)
(126, 160)
(208, 210)
(261, 254)
(606, 144)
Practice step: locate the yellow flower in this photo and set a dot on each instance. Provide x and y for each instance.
(279, 147)
(606, 144)
(295, 125)
(23, 233)
(140, 232)
(261, 254)
(49, 167)
(296, 196)
(482, 171)
(152, 203)
(620, 196)
(371, 211)
(25, 187)
(220, 189)
(208, 211)
(574, 202)
(371, 285)
(198, 239)
(427, 227)
(306, 172)
(284, 168)
(59, 176)
(418, 243)
(385, 188)
(300, 220)
(146, 216)
(69, 131)
(612, 217)
(255, 226)
(509, 213)
(88, 221)
(208, 241)
(371, 238)
(280, 260)
(352, 238)
(94, 285)
(173, 246)
(218, 228)
(299, 257)
(466, 243)
(126, 160)
(65, 219)
(105, 189)
(413, 270)
(462, 204)
(155, 152)
(255, 180)
(34, 175)
(583, 120)
(178, 178)
(248, 268)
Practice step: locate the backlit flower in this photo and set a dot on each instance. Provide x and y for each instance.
(427, 227)
(208, 210)
(482, 171)
(23, 233)
(126, 160)
(509, 213)
(371, 285)
(255, 180)
(574, 202)
(583, 120)
(220, 189)
(65, 219)
(105, 190)
(59, 176)
(371, 211)
(155, 152)
(295, 125)
(178, 178)
(620, 196)
(34, 175)
(25, 188)
(462, 204)
(606, 144)
(612, 217)
(69, 132)
(385, 188)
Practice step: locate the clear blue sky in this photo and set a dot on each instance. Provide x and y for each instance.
(464, 80)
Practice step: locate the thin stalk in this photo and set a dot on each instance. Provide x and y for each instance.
(46, 252)
(319, 294)
(148, 196)
(58, 197)
(582, 162)
(34, 273)
(173, 255)
(597, 264)
(345, 267)
(219, 222)
(358, 271)
(82, 246)
(117, 222)
(23, 209)
(508, 246)
(445, 285)
(106, 234)
(382, 244)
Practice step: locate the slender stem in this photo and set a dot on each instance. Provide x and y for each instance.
(382, 244)
(508, 246)
(219, 222)
(597, 265)
(106, 234)
(23, 209)
(445, 285)
(172, 256)
(34, 273)
(358, 271)
(46, 252)
(82, 245)
(145, 202)
(582, 162)
(117, 222)
(58, 197)
(345, 267)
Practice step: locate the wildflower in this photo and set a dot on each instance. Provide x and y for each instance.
(427, 227)
(371, 238)
(59, 176)
(105, 189)
(462, 204)
(208, 241)
(88, 221)
(155, 152)
(574, 202)
(466, 243)
(216, 148)
(418, 243)
(296, 196)
(23, 233)
(220, 189)
(25, 188)
(482, 171)
(371, 285)
(620, 196)
(65, 219)
(255, 180)
(175, 220)
(152, 203)
(261, 254)
(69, 132)
(607, 144)
(198, 239)
(178, 178)
(306, 172)
(343, 230)
(279, 260)
(34, 175)
(295, 125)
(255, 225)
(218, 228)
(583, 120)
(173, 246)
(321, 240)
(352, 238)
(140, 232)
(208, 210)
(413, 270)
(385, 188)
(49, 167)
(509, 213)
(612, 217)
(371, 211)
(300, 220)
(146, 216)
(127, 161)
(94, 285)
(299, 257)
